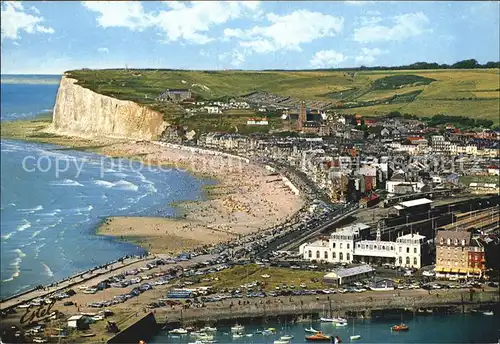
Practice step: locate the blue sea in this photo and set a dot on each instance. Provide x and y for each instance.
(53, 200)
(451, 329)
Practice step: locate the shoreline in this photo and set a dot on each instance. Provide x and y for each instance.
(231, 207)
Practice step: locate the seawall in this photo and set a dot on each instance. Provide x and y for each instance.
(81, 112)
(143, 329)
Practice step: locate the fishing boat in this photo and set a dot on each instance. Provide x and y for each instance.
(400, 327)
(237, 328)
(178, 331)
(354, 336)
(318, 337)
(488, 313)
(311, 330)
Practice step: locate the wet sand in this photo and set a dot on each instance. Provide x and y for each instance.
(246, 199)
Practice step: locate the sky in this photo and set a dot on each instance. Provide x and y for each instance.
(49, 37)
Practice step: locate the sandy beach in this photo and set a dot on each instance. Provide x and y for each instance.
(246, 199)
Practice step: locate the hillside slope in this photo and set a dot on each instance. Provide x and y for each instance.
(461, 92)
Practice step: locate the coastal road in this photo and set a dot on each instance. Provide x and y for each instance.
(296, 238)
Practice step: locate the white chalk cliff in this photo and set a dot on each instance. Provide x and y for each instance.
(82, 112)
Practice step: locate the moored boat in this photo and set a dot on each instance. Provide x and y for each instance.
(178, 331)
(311, 330)
(279, 341)
(400, 327)
(286, 337)
(355, 337)
(318, 337)
(237, 328)
(488, 313)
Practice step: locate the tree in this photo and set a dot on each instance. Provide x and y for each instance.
(466, 64)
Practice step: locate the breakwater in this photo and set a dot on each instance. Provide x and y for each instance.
(363, 307)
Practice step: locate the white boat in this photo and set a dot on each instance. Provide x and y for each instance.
(209, 329)
(340, 324)
(311, 330)
(178, 331)
(249, 334)
(488, 313)
(281, 342)
(237, 328)
(236, 335)
(326, 319)
(354, 336)
(333, 320)
(286, 337)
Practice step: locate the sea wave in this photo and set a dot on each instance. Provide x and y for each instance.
(47, 270)
(37, 250)
(104, 183)
(20, 253)
(26, 224)
(7, 236)
(32, 210)
(121, 185)
(17, 271)
(66, 182)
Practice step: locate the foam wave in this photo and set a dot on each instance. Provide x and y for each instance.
(37, 250)
(16, 264)
(26, 224)
(104, 183)
(7, 236)
(66, 182)
(121, 185)
(36, 233)
(32, 210)
(47, 270)
(124, 185)
(20, 253)
(59, 220)
(17, 271)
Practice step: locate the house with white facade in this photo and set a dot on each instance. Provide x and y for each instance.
(350, 244)
(213, 109)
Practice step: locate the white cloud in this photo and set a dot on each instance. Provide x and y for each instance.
(287, 32)
(129, 14)
(368, 56)
(368, 21)
(236, 58)
(356, 2)
(187, 21)
(15, 19)
(103, 50)
(405, 26)
(326, 59)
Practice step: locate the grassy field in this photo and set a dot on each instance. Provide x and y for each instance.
(474, 93)
(239, 275)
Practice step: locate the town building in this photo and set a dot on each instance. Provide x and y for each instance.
(175, 95)
(79, 322)
(258, 121)
(452, 254)
(213, 109)
(345, 276)
(351, 244)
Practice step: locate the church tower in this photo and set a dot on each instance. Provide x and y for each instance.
(302, 116)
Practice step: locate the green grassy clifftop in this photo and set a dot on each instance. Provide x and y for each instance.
(460, 92)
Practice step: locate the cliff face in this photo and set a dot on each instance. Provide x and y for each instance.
(82, 112)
